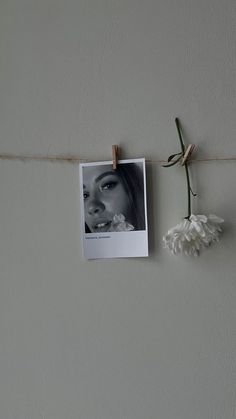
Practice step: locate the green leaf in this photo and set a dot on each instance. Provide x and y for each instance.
(173, 163)
(173, 155)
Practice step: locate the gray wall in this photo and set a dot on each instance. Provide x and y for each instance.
(119, 339)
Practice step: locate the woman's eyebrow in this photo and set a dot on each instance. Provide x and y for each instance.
(100, 177)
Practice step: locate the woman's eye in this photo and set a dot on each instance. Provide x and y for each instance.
(108, 185)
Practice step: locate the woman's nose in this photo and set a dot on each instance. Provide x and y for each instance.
(95, 207)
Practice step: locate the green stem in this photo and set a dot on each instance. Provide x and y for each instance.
(185, 166)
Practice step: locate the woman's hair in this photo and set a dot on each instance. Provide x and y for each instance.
(131, 177)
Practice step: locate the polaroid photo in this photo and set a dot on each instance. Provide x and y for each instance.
(114, 209)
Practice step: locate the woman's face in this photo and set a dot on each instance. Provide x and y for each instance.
(104, 197)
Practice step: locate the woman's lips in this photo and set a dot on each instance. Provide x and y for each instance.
(101, 226)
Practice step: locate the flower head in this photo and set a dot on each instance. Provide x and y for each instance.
(119, 224)
(192, 235)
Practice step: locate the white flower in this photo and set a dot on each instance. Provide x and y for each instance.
(193, 235)
(119, 224)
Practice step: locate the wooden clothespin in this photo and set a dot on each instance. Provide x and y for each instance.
(187, 153)
(115, 150)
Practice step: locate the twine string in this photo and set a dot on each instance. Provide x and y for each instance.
(73, 159)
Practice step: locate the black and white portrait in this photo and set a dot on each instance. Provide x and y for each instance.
(113, 201)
